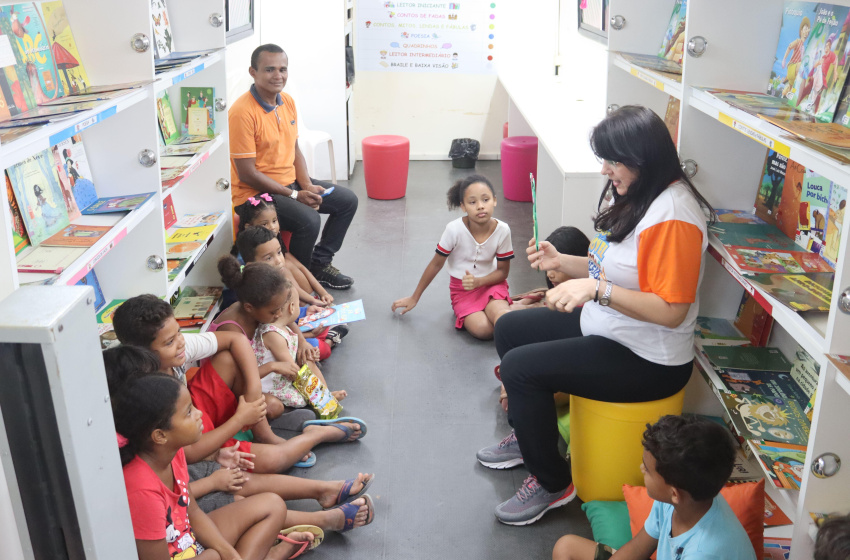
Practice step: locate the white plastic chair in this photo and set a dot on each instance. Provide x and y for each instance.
(309, 140)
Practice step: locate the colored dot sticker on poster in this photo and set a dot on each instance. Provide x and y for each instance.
(492, 26)
(490, 36)
(492, 16)
(492, 4)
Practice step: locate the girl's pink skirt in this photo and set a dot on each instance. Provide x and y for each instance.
(468, 302)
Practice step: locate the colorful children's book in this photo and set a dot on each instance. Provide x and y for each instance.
(673, 45)
(23, 26)
(753, 320)
(771, 384)
(753, 236)
(194, 307)
(786, 216)
(805, 371)
(49, 259)
(777, 548)
(183, 235)
(117, 203)
(783, 462)
(72, 74)
(182, 250)
(712, 331)
(19, 230)
(814, 206)
(169, 214)
(534, 223)
(165, 117)
(747, 358)
(818, 85)
(831, 134)
(182, 149)
(800, 292)
(170, 162)
(741, 472)
(105, 315)
(773, 514)
(737, 217)
(199, 220)
(72, 164)
(651, 62)
(797, 21)
(199, 123)
(77, 235)
(750, 260)
(344, 313)
(756, 103)
(161, 29)
(770, 190)
(175, 267)
(671, 118)
(834, 223)
(90, 279)
(36, 185)
(767, 418)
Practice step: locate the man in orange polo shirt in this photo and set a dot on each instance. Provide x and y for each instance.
(265, 158)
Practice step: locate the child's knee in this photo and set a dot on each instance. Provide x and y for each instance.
(564, 548)
(273, 506)
(274, 408)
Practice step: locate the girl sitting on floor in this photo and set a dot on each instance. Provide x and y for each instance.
(478, 249)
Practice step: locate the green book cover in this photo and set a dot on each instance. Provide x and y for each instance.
(165, 117)
(747, 357)
(767, 418)
(197, 98)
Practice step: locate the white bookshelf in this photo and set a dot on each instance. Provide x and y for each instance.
(729, 147)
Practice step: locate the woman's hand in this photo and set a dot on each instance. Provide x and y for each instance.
(469, 281)
(567, 296)
(546, 258)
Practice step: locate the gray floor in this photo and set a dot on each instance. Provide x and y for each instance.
(426, 391)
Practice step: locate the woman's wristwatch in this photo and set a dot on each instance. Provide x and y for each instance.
(605, 299)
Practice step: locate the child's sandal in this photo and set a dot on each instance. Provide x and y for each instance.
(318, 537)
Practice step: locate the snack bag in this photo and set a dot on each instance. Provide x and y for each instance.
(317, 395)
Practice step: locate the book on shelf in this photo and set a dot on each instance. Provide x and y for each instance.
(673, 45)
(199, 220)
(799, 292)
(182, 149)
(108, 339)
(196, 111)
(773, 514)
(767, 418)
(194, 307)
(75, 176)
(755, 103)
(169, 176)
(160, 29)
(786, 216)
(175, 267)
(814, 205)
(671, 118)
(769, 193)
(111, 204)
(741, 471)
(48, 114)
(817, 90)
(35, 183)
(798, 19)
(165, 117)
(834, 223)
(19, 231)
(105, 315)
(783, 462)
(653, 62)
(737, 217)
(169, 213)
(772, 384)
(170, 162)
(90, 279)
(63, 47)
(753, 320)
(820, 517)
(181, 250)
(831, 134)
(713, 331)
(805, 371)
(753, 236)
(747, 358)
(809, 411)
(776, 548)
(52, 260)
(184, 235)
(77, 235)
(750, 260)
(34, 65)
(84, 97)
(348, 312)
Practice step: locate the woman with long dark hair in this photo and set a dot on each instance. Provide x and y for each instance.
(620, 331)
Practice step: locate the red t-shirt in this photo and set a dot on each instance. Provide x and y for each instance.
(159, 512)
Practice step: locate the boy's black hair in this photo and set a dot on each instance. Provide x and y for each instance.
(691, 453)
(138, 320)
(833, 541)
(124, 362)
(568, 240)
(455, 195)
(269, 48)
(249, 239)
(255, 283)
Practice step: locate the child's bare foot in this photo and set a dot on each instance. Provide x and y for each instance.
(330, 433)
(339, 395)
(292, 545)
(333, 495)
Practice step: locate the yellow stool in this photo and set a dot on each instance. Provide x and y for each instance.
(605, 443)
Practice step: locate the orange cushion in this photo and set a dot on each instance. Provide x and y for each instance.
(745, 499)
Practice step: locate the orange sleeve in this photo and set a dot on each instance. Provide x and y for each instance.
(668, 262)
(242, 128)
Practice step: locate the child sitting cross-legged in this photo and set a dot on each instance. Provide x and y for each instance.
(215, 484)
(686, 462)
(227, 386)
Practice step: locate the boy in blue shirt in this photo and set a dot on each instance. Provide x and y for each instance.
(686, 461)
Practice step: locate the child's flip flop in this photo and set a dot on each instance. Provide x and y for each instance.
(346, 497)
(335, 422)
(308, 463)
(350, 510)
(318, 534)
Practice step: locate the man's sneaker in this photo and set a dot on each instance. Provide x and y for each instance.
(531, 502)
(337, 332)
(503, 455)
(330, 277)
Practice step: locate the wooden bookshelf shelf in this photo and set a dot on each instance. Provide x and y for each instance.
(666, 83)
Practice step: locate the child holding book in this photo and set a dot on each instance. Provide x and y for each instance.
(686, 462)
(226, 387)
(478, 250)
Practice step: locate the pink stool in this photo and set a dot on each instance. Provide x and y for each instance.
(519, 158)
(385, 162)
(505, 130)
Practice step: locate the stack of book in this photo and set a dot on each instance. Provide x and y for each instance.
(186, 237)
(195, 306)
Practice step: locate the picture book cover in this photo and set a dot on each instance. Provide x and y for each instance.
(69, 157)
(777, 548)
(831, 134)
(756, 103)
(182, 149)
(344, 313)
(117, 203)
(805, 371)
(751, 260)
(787, 214)
(738, 217)
(169, 214)
(771, 384)
(201, 291)
(15, 92)
(814, 205)
(204, 121)
(800, 292)
(673, 45)
(797, 18)
(199, 220)
(767, 418)
(773, 514)
(161, 29)
(175, 267)
(171, 162)
(182, 250)
(714, 331)
(834, 223)
(49, 259)
(77, 235)
(194, 307)
(770, 189)
(651, 62)
(671, 118)
(39, 195)
(535, 225)
(90, 279)
(753, 320)
(165, 117)
(19, 230)
(22, 25)
(63, 47)
(183, 235)
(782, 461)
(741, 471)
(105, 315)
(748, 358)
(753, 236)
(820, 78)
